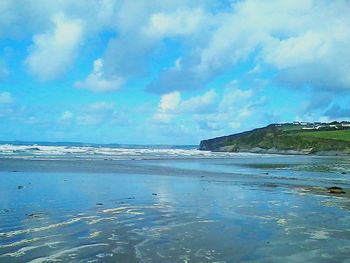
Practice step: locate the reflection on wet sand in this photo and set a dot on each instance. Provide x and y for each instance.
(226, 216)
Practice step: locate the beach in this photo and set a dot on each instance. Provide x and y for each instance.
(76, 204)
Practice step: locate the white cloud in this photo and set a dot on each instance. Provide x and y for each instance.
(169, 101)
(209, 114)
(142, 28)
(234, 99)
(177, 64)
(21, 19)
(53, 53)
(251, 24)
(6, 97)
(209, 110)
(96, 81)
(180, 22)
(284, 38)
(235, 110)
(171, 105)
(280, 36)
(198, 104)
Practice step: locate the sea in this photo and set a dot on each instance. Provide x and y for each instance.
(66, 202)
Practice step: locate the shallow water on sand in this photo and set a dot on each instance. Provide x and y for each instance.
(234, 209)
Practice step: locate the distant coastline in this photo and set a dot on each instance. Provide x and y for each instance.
(297, 138)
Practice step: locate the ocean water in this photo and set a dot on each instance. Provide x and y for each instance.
(104, 204)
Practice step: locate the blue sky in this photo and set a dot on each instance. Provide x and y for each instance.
(169, 72)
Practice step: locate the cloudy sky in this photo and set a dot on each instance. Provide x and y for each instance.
(169, 71)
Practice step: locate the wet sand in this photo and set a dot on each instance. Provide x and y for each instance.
(250, 209)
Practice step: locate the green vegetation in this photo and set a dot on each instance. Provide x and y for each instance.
(343, 135)
(286, 138)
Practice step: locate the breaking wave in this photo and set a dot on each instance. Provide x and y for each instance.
(96, 152)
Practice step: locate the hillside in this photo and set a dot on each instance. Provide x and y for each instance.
(289, 138)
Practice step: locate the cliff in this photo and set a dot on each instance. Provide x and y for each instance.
(288, 138)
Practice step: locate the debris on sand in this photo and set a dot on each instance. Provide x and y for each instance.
(335, 190)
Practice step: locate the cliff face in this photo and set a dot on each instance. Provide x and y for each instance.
(285, 138)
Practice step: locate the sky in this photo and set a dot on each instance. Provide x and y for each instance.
(169, 71)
